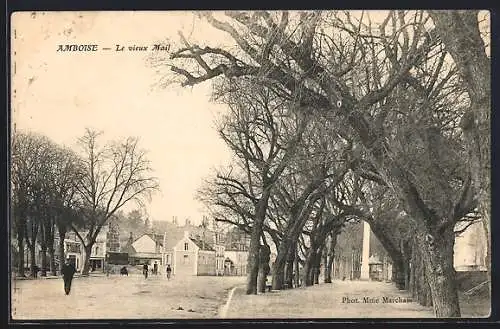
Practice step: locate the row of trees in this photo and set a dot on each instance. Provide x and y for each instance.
(334, 117)
(56, 189)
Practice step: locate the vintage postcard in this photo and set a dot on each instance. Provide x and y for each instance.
(250, 165)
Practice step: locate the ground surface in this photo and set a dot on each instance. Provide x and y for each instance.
(133, 297)
(121, 297)
(326, 301)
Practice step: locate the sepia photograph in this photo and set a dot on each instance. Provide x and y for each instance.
(328, 164)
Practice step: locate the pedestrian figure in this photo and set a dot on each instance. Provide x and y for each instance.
(35, 271)
(124, 271)
(169, 271)
(68, 271)
(145, 270)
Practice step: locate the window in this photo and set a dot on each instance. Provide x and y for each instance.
(186, 246)
(185, 259)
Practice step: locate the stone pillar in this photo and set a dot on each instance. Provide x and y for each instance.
(365, 268)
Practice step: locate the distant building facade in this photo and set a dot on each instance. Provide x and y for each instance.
(147, 249)
(470, 248)
(235, 252)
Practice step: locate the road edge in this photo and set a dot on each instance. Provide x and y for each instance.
(225, 308)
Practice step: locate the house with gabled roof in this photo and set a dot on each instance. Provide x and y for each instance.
(193, 256)
(198, 250)
(147, 249)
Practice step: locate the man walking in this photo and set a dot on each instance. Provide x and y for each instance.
(68, 271)
(169, 271)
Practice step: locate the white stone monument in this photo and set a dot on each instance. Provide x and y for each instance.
(365, 267)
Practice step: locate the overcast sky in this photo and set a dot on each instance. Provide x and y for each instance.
(59, 94)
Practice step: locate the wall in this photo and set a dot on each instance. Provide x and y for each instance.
(167, 258)
(239, 259)
(470, 248)
(185, 260)
(219, 259)
(206, 262)
(144, 244)
(98, 249)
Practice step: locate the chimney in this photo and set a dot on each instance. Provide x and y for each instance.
(130, 238)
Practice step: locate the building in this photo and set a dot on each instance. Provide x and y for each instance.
(470, 247)
(220, 250)
(192, 256)
(235, 252)
(204, 250)
(98, 253)
(147, 249)
(113, 236)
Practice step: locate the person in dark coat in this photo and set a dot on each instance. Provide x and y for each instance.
(145, 270)
(124, 271)
(169, 271)
(68, 271)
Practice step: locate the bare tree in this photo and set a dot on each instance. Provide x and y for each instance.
(32, 156)
(65, 203)
(345, 67)
(114, 175)
(264, 136)
(25, 158)
(460, 32)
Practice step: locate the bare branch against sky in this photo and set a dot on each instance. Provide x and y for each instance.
(121, 93)
(63, 94)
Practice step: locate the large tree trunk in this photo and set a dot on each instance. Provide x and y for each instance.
(459, 31)
(48, 243)
(398, 274)
(292, 235)
(406, 273)
(425, 297)
(297, 267)
(413, 273)
(87, 251)
(317, 266)
(33, 266)
(52, 261)
(325, 264)
(437, 254)
(264, 268)
(20, 246)
(44, 261)
(62, 256)
(308, 275)
(395, 251)
(261, 280)
(278, 273)
(289, 266)
(329, 267)
(252, 262)
(330, 258)
(253, 252)
(487, 260)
